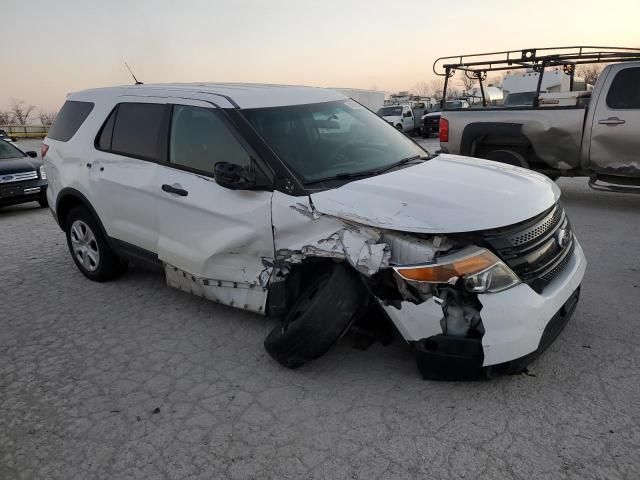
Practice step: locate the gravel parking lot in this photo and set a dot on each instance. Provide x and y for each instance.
(132, 379)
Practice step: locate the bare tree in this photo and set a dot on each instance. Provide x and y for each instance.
(420, 89)
(590, 72)
(5, 117)
(437, 87)
(467, 83)
(21, 111)
(46, 118)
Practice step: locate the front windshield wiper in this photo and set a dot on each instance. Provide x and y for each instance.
(399, 163)
(369, 173)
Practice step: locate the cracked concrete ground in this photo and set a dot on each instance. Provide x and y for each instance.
(132, 379)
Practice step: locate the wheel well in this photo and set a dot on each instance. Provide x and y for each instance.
(69, 199)
(65, 204)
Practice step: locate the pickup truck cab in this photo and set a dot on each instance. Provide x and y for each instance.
(593, 134)
(300, 204)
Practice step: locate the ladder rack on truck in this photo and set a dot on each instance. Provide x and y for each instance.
(476, 66)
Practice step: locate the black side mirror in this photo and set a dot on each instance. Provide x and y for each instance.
(233, 177)
(31, 154)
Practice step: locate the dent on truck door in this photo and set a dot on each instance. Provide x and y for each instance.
(614, 135)
(212, 239)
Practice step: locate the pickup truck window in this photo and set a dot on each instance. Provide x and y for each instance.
(625, 90)
(199, 139)
(322, 140)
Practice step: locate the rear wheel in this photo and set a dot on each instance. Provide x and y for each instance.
(89, 248)
(323, 312)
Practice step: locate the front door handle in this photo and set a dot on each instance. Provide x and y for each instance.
(611, 121)
(176, 190)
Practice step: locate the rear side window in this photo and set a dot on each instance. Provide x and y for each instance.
(69, 119)
(625, 89)
(135, 130)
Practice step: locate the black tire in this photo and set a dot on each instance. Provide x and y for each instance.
(510, 157)
(323, 312)
(43, 202)
(109, 265)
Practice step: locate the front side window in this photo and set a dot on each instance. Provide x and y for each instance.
(200, 139)
(625, 90)
(136, 131)
(325, 140)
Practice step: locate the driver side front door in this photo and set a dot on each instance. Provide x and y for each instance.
(212, 239)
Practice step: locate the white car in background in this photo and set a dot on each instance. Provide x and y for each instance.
(300, 204)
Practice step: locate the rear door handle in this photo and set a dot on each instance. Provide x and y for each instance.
(177, 190)
(611, 121)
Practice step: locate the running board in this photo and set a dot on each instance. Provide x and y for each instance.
(605, 186)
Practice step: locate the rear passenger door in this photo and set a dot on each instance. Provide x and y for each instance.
(214, 241)
(615, 144)
(122, 174)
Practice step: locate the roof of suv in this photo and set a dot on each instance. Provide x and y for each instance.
(244, 95)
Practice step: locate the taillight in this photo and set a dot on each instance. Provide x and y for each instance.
(44, 149)
(444, 130)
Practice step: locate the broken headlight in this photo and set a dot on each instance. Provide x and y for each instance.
(481, 271)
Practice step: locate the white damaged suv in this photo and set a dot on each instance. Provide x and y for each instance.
(301, 204)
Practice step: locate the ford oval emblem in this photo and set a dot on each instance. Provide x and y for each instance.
(7, 178)
(562, 237)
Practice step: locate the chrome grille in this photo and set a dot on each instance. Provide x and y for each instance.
(18, 177)
(536, 250)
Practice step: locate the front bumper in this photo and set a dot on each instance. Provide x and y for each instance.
(519, 325)
(22, 192)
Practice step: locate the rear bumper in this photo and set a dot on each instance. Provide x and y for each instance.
(519, 325)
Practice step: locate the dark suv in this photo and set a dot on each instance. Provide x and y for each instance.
(22, 177)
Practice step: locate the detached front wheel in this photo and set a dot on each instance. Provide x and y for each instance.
(323, 312)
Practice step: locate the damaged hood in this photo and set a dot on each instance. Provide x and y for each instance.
(447, 194)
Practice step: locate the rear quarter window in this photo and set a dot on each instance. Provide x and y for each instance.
(69, 119)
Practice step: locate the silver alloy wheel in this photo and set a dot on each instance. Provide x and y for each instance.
(85, 245)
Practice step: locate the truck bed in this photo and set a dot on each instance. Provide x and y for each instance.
(554, 133)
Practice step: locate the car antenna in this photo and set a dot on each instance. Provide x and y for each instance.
(134, 77)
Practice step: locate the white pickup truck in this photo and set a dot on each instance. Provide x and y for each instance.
(406, 117)
(595, 137)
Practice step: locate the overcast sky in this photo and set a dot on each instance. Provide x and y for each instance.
(52, 47)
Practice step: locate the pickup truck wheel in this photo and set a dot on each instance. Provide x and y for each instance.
(323, 312)
(43, 202)
(399, 127)
(509, 157)
(89, 248)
